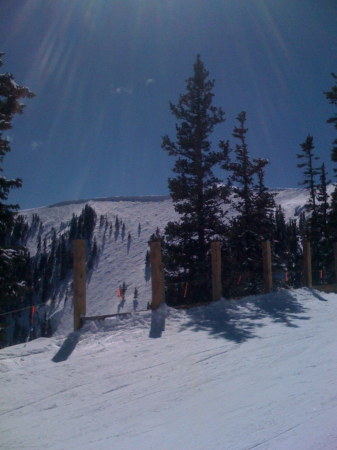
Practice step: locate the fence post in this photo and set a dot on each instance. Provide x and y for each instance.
(267, 269)
(307, 264)
(157, 275)
(79, 282)
(216, 270)
(335, 259)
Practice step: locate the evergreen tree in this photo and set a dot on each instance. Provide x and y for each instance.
(264, 204)
(89, 221)
(253, 203)
(310, 172)
(63, 258)
(286, 246)
(147, 265)
(123, 231)
(323, 200)
(324, 250)
(117, 226)
(332, 217)
(93, 254)
(332, 98)
(73, 232)
(196, 193)
(13, 260)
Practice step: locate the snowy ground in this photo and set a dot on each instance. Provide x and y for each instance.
(255, 373)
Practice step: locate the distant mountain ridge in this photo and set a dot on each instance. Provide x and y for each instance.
(139, 198)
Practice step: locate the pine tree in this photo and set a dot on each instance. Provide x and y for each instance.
(123, 231)
(117, 226)
(323, 200)
(332, 98)
(286, 245)
(264, 204)
(310, 172)
(89, 221)
(332, 219)
(253, 203)
(324, 250)
(195, 191)
(12, 260)
(93, 254)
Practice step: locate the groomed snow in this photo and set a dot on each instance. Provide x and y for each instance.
(253, 373)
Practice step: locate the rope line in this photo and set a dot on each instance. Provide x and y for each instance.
(22, 309)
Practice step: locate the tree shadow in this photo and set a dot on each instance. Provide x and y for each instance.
(238, 320)
(128, 246)
(67, 347)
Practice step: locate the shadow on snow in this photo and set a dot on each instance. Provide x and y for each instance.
(237, 320)
(67, 347)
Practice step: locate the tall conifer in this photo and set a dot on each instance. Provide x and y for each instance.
(253, 203)
(12, 259)
(196, 193)
(332, 98)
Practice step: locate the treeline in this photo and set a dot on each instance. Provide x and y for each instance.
(45, 273)
(201, 200)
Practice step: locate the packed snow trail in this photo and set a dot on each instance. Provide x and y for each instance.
(255, 373)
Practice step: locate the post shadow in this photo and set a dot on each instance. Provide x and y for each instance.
(67, 347)
(158, 321)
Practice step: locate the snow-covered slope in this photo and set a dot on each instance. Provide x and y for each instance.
(119, 260)
(255, 373)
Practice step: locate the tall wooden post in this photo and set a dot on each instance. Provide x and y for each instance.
(216, 270)
(79, 282)
(267, 268)
(335, 259)
(157, 275)
(307, 264)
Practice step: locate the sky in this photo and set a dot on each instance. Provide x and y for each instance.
(104, 72)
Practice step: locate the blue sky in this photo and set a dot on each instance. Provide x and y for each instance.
(104, 72)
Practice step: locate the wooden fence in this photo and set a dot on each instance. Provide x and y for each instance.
(157, 276)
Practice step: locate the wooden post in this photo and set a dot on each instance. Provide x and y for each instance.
(267, 269)
(79, 282)
(335, 259)
(157, 275)
(216, 270)
(307, 264)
